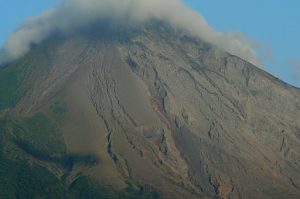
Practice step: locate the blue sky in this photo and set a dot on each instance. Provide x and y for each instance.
(274, 25)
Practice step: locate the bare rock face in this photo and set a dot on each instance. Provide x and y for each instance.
(172, 112)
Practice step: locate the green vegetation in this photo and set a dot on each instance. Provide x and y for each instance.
(11, 79)
(2, 123)
(38, 133)
(20, 180)
(26, 180)
(16, 78)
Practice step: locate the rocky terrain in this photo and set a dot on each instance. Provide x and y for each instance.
(149, 113)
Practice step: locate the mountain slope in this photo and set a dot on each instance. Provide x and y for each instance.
(151, 113)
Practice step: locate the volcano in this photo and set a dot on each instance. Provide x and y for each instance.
(145, 112)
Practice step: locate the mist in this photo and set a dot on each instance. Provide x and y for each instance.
(70, 15)
(295, 65)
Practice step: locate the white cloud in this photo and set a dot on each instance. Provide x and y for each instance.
(73, 14)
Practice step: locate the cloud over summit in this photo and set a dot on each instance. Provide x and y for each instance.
(72, 14)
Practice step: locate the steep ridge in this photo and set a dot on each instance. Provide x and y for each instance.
(161, 112)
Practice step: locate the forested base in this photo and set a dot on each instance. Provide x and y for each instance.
(26, 180)
(23, 181)
(20, 180)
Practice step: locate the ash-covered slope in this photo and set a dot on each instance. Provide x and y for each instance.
(152, 113)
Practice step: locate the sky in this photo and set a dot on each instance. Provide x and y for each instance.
(272, 26)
